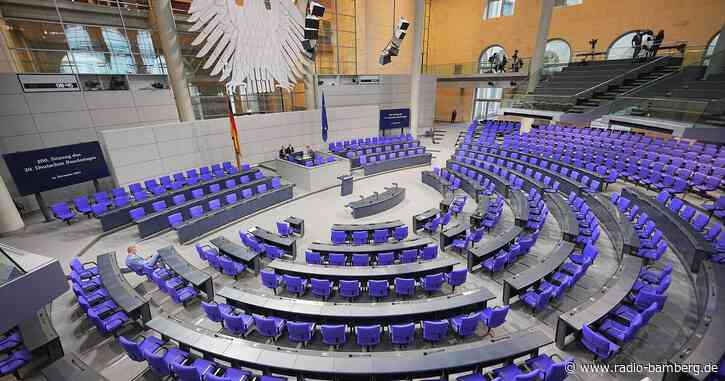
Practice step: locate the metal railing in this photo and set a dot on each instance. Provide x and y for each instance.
(678, 110)
(86, 62)
(464, 68)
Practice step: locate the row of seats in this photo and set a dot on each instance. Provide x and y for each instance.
(169, 282)
(699, 222)
(362, 237)
(441, 219)
(254, 244)
(363, 142)
(488, 187)
(386, 148)
(94, 299)
(589, 229)
(13, 354)
(538, 211)
(167, 360)
(652, 243)
(351, 289)
(368, 336)
(177, 219)
(485, 128)
(510, 253)
(716, 207)
(120, 197)
(426, 253)
(180, 199)
(540, 368)
(514, 181)
(223, 263)
(370, 159)
(660, 164)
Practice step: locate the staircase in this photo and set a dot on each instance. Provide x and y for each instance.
(627, 86)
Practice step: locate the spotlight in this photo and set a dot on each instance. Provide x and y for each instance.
(491, 84)
(317, 9)
(403, 24)
(312, 22)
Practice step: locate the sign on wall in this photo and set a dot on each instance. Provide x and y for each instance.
(43, 83)
(50, 168)
(394, 118)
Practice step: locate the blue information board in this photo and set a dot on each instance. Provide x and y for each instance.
(44, 169)
(394, 118)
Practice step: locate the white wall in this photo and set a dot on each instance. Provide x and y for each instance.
(136, 154)
(392, 92)
(40, 120)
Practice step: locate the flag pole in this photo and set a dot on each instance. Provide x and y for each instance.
(233, 128)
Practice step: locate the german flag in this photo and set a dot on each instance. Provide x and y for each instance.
(234, 132)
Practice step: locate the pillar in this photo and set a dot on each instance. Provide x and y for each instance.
(717, 60)
(542, 35)
(416, 65)
(10, 219)
(164, 20)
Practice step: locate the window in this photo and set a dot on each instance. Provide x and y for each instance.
(487, 102)
(710, 50)
(621, 48)
(498, 8)
(566, 3)
(557, 52)
(484, 65)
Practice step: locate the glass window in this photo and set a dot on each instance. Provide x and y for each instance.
(508, 7)
(566, 3)
(710, 49)
(493, 9)
(621, 48)
(557, 52)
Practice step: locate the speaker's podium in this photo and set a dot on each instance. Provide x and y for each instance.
(345, 185)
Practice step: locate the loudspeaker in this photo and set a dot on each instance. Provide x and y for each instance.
(317, 9)
(309, 45)
(384, 59)
(312, 22)
(311, 34)
(400, 34)
(403, 24)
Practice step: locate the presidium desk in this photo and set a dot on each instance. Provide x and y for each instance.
(377, 203)
(313, 178)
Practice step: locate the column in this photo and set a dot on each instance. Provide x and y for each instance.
(164, 20)
(717, 61)
(542, 35)
(416, 65)
(10, 219)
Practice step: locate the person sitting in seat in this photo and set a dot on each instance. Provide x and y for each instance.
(137, 263)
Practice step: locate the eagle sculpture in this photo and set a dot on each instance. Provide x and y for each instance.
(252, 40)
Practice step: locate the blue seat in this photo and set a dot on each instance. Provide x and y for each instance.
(295, 284)
(313, 257)
(380, 235)
(335, 335)
(385, 258)
(493, 317)
(212, 311)
(337, 259)
(360, 259)
(231, 267)
(62, 212)
(236, 323)
(360, 237)
(321, 288)
(378, 288)
(270, 326)
(400, 233)
(432, 283)
(409, 256)
(271, 280)
(300, 332)
(368, 336)
(349, 289)
(434, 330)
(194, 371)
(597, 344)
(283, 229)
(404, 286)
(456, 278)
(465, 325)
(402, 334)
(135, 347)
(160, 359)
(83, 205)
(338, 237)
(550, 369)
(429, 252)
(537, 299)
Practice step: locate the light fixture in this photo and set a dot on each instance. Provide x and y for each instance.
(392, 49)
(312, 25)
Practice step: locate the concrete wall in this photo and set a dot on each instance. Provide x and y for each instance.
(40, 120)
(426, 103)
(136, 154)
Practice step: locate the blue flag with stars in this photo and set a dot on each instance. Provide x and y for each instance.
(324, 119)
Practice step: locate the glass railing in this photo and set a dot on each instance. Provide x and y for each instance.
(86, 62)
(677, 110)
(714, 115)
(463, 68)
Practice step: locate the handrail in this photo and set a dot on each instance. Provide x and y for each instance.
(619, 77)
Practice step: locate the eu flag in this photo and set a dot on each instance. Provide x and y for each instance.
(324, 119)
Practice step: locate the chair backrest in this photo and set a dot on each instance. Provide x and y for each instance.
(409, 256)
(380, 235)
(269, 279)
(338, 236)
(349, 287)
(386, 258)
(231, 198)
(265, 325)
(212, 311)
(196, 211)
(402, 333)
(321, 285)
(229, 184)
(333, 334)
(313, 257)
(435, 330)
(175, 219)
(261, 188)
(197, 193)
(496, 315)
(457, 277)
(283, 228)
(159, 205)
(337, 259)
(429, 252)
(276, 183)
(215, 204)
(247, 193)
(299, 331)
(368, 334)
(433, 281)
(361, 259)
(360, 237)
(137, 213)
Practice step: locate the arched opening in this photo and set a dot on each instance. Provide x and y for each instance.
(621, 48)
(484, 63)
(557, 51)
(710, 49)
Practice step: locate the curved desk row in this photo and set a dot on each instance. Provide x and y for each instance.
(420, 219)
(120, 216)
(158, 221)
(393, 365)
(363, 273)
(121, 292)
(435, 181)
(517, 199)
(288, 244)
(392, 164)
(687, 242)
(476, 219)
(563, 214)
(619, 230)
(706, 344)
(193, 229)
(615, 289)
(327, 248)
(238, 252)
(441, 307)
(479, 253)
(197, 278)
(516, 284)
(403, 147)
(377, 203)
(509, 152)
